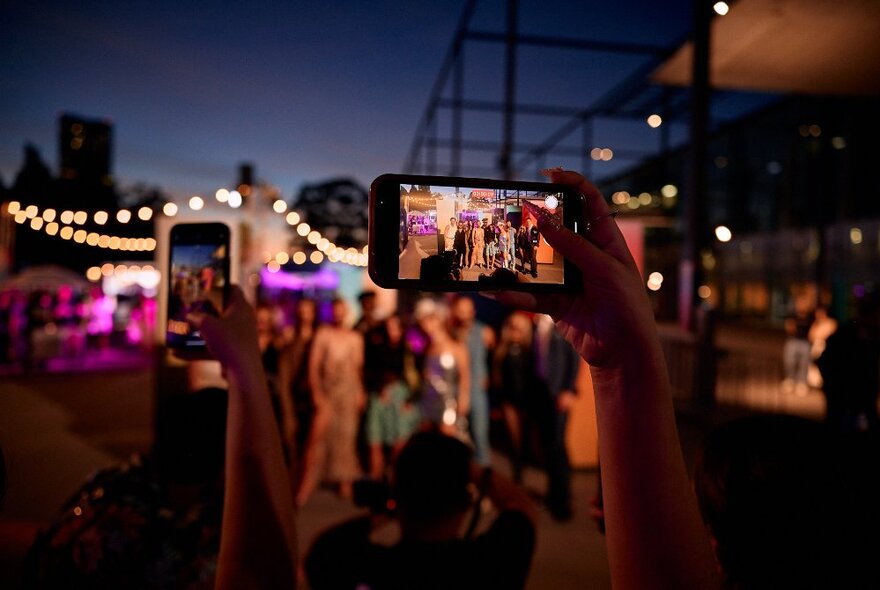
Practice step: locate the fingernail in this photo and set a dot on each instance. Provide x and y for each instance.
(549, 171)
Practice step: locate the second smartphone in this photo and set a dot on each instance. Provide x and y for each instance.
(198, 280)
(443, 233)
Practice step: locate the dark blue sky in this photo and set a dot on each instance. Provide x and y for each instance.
(304, 90)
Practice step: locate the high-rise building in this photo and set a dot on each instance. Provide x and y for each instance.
(85, 147)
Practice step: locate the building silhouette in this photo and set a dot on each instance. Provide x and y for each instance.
(84, 182)
(85, 148)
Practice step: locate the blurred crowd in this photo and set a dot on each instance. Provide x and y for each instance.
(39, 325)
(348, 398)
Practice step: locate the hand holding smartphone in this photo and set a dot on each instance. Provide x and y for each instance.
(437, 233)
(198, 281)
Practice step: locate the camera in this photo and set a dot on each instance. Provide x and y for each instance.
(445, 233)
(198, 280)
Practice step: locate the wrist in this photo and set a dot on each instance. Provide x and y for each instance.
(643, 367)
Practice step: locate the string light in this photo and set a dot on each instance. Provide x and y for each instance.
(46, 222)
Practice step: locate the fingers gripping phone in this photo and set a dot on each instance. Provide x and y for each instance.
(443, 233)
(198, 280)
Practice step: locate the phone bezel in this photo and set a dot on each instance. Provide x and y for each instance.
(182, 234)
(384, 226)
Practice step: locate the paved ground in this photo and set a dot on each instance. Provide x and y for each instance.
(549, 273)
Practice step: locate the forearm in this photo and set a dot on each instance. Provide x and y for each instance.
(659, 542)
(258, 546)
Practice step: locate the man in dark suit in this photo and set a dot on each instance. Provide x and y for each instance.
(534, 240)
(556, 370)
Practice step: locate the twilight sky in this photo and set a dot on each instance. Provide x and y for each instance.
(304, 90)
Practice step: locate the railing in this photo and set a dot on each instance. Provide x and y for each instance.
(746, 376)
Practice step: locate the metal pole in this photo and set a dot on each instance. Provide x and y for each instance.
(586, 146)
(432, 144)
(457, 94)
(505, 159)
(695, 188)
(699, 319)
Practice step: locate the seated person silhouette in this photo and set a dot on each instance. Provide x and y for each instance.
(434, 476)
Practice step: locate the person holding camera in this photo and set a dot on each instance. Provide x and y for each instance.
(655, 535)
(258, 535)
(435, 496)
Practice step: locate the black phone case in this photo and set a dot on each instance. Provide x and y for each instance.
(384, 226)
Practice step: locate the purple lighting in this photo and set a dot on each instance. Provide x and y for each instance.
(324, 279)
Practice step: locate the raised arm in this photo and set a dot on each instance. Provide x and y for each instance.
(656, 538)
(257, 539)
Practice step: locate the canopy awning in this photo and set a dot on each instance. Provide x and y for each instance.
(49, 277)
(827, 47)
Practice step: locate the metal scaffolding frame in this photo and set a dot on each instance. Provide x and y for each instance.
(433, 152)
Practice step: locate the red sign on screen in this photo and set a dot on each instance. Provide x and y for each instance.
(482, 193)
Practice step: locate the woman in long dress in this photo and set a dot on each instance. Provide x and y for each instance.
(335, 369)
(295, 395)
(479, 246)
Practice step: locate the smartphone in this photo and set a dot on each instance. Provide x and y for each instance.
(198, 279)
(444, 233)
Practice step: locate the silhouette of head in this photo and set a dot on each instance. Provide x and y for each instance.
(431, 478)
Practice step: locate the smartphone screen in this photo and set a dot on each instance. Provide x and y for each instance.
(198, 278)
(465, 234)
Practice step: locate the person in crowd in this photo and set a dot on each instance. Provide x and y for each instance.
(335, 378)
(796, 352)
(444, 399)
(433, 477)
(491, 244)
(294, 393)
(460, 244)
(504, 245)
(468, 243)
(556, 370)
(152, 521)
(479, 245)
(477, 339)
(368, 302)
(532, 242)
(522, 246)
(487, 239)
(513, 379)
(822, 327)
(850, 367)
(270, 342)
(789, 505)
(392, 416)
(511, 245)
(449, 234)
